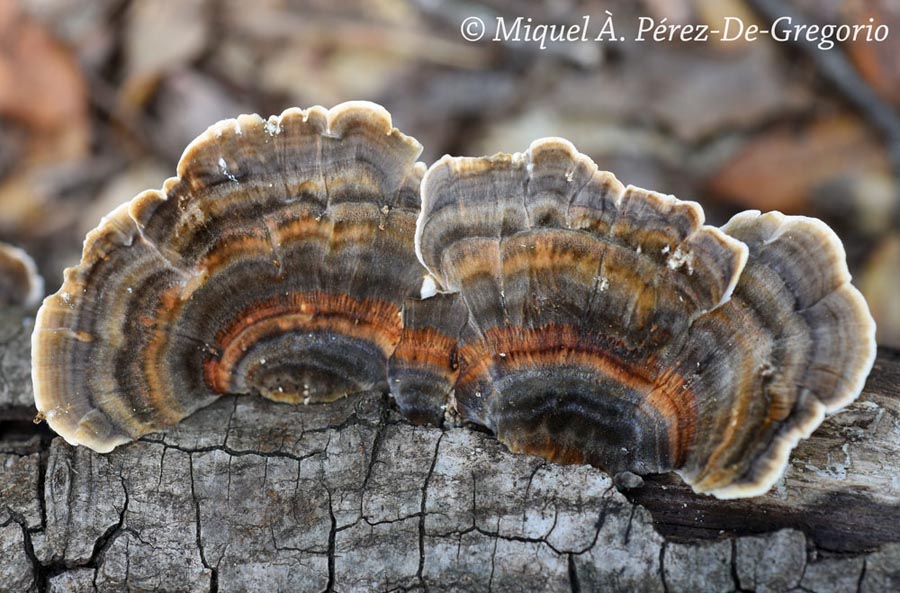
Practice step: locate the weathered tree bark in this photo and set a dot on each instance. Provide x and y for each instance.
(248, 495)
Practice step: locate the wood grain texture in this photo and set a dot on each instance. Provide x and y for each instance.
(250, 494)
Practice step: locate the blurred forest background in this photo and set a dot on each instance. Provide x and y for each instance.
(99, 98)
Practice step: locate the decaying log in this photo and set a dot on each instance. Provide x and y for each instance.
(249, 495)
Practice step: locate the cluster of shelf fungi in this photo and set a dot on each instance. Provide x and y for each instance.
(309, 259)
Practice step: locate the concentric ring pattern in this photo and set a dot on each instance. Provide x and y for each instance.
(305, 257)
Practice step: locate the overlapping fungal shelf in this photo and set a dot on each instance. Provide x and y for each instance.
(305, 258)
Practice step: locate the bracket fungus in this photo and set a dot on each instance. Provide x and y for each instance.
(20, 283)
(276, 262)
(574, 317)
(608, 325)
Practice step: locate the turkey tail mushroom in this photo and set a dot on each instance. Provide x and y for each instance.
(610, 326)
(20, 283)
(531, 294)
(423, 370)
(796, 341)
(276, 262)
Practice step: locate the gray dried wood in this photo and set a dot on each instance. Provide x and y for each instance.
(248, 495)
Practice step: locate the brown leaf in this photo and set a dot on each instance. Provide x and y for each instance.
(880, 284)
(694, 92)
(41, 87)
(164, 36)
(877, 61)
(784, 168)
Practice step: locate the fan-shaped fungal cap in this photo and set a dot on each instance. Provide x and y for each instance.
(577, 318)
(276, 262)
(20, 283)
(609, 325)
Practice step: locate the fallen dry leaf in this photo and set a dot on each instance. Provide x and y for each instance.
(880, 283)
(41, 87)
(44, 96)
(877, 61)
(783, 169)
(162, 37)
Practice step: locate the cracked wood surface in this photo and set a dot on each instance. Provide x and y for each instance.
(250, 495)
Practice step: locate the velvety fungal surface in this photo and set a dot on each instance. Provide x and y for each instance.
(608, 325)
(20, 283)
(276, 262)
(305, 257)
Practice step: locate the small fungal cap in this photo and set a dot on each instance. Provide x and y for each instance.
(20, 283)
